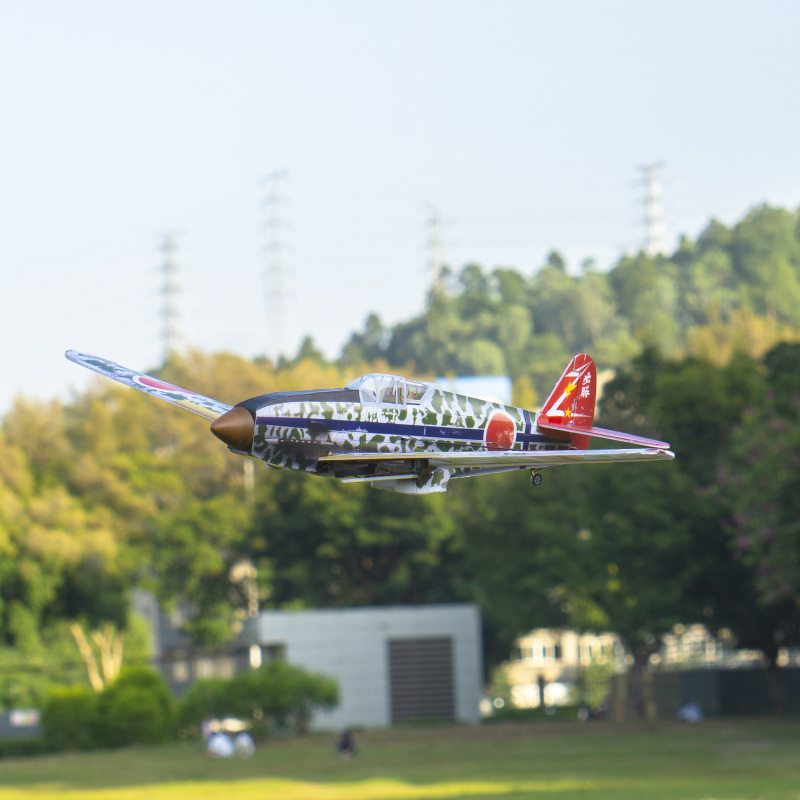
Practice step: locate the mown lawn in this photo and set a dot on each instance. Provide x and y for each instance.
(751, 759)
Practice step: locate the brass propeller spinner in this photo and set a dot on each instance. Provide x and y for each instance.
(236, 428)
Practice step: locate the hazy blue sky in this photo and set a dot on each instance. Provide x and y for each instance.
(523, 122)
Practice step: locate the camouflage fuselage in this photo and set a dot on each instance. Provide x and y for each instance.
(293, 431)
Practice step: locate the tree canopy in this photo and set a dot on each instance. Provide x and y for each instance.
(108, 492)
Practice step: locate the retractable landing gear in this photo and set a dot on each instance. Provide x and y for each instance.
(536, 478)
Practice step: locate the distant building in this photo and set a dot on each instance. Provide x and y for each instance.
(393, 663)
(691, 645)
(20, 723)
(494, 388)
(546, 664)
(694, 646)
(691, 665)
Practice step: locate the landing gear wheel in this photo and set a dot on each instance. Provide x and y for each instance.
(536, 478)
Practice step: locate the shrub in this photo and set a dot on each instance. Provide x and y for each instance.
(24, 746)
(206, 697)
(136, 709)
(134, 716)
(283, 692)
(69, 718)
(278, 693)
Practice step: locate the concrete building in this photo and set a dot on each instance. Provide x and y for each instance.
(393, 664)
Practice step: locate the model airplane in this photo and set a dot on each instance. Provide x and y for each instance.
(402, 435)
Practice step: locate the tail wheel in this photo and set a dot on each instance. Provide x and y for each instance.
(536, 478)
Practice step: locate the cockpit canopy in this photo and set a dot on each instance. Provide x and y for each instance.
(376, 387)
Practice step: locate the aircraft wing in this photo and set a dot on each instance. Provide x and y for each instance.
(508, 459)
(191, 401)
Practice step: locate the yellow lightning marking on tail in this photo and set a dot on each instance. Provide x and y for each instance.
(568, 390)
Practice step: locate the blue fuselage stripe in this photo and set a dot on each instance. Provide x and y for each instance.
(406, 430)
(525, 438)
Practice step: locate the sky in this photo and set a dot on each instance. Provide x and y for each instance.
(524, 124)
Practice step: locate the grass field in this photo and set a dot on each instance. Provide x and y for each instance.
(751, 759)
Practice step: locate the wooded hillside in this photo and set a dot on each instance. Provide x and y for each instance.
(112, 491)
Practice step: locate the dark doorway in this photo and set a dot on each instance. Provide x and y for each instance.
(421, 679)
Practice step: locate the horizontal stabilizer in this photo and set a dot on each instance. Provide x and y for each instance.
(601, 433)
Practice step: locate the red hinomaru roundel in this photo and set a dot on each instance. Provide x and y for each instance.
(500, 431)
(146, 380)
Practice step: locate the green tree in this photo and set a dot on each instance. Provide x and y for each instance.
(366, 346)
(766, 255)
(520, 554)
(646, 290)
(757, 482)
(194, 548)
(762, 482)
(328, 544)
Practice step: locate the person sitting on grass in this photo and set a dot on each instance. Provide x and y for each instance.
(346, 745)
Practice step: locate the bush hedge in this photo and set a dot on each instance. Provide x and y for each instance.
(24, 746)
(69, 718)
(276, 695)
(136, 708)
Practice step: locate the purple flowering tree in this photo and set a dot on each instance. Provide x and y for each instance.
(761, 479)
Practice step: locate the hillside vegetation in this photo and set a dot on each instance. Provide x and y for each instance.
(113, 491)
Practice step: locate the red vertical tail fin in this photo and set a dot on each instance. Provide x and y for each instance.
(570, 405)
